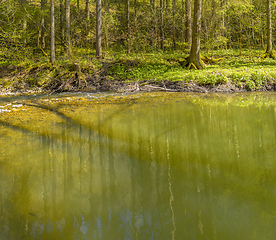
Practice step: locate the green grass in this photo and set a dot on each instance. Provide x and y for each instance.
(249, 69)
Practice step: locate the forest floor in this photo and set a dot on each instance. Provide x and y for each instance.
(140, 72)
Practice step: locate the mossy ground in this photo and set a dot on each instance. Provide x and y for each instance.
(246, 71)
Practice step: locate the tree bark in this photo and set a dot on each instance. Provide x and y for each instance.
(188, 22)
(162, 24)
(174, 34)
(153, 23)
(52, 32)
(67, 28)
(87, 10)
(99, 29)
(128, 26)
(269, 29)
(61, 22)
(42, 26)
(194, 58)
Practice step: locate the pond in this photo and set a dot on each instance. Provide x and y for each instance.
(138, 166)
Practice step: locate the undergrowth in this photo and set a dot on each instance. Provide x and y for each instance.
(248, 70)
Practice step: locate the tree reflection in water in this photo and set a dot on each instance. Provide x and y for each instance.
(138, 167)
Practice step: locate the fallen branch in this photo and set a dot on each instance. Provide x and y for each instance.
(161, 88)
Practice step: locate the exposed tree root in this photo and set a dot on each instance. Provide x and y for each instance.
(211, 60)
(203, 61)
(268, 55)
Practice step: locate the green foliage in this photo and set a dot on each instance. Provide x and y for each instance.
(213, 79)
(250, 85)
(259, 78)
(248, 71)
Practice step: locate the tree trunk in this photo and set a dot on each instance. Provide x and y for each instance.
(153, 23)
(162, 24)
(52, 32)
(174, 36)
(128, 26)
(67, 28)
(42, 26)
(188, 23)
(269, 29)
(99, 29)
(61, 22)
(87, 10)
(87, 16)
(194, 58)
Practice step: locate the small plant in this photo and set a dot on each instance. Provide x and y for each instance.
(250, 85)
(239, 77)
(259, 78)
(214, 78)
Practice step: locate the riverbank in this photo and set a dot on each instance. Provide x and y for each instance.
(143, 72)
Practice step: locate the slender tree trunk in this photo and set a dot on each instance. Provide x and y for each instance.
(42, 26)
(98, 29)
(87, 16)
(194, 58)
(269, 29)
(106, 24)
(23, 4)
(222, 3)
(174, 34)
(162, 24)
(87, 10)
(153, 23)
(67, 28)
(61, 22)
(128, 26)
(52, 32)
(188, 23)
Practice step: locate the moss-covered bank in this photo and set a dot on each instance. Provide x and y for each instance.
(143, 72)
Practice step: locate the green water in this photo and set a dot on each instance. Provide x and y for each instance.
(148, 166)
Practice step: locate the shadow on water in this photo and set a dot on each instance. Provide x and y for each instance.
(156, 169)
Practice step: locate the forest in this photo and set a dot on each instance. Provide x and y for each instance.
(83, 45)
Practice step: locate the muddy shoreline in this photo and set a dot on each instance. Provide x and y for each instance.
(106, 85)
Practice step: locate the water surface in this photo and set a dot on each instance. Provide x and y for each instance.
(145, 166)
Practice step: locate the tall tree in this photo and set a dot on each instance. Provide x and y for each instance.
(52, 31)
(128, 26)
(153, 23)
(194, 58)
(188, 22)
(269, 30)
(42, 26)
(87, 14)
(67, 28)
(174, 30)
(162, 24)
(98, 29)
(61, 21)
